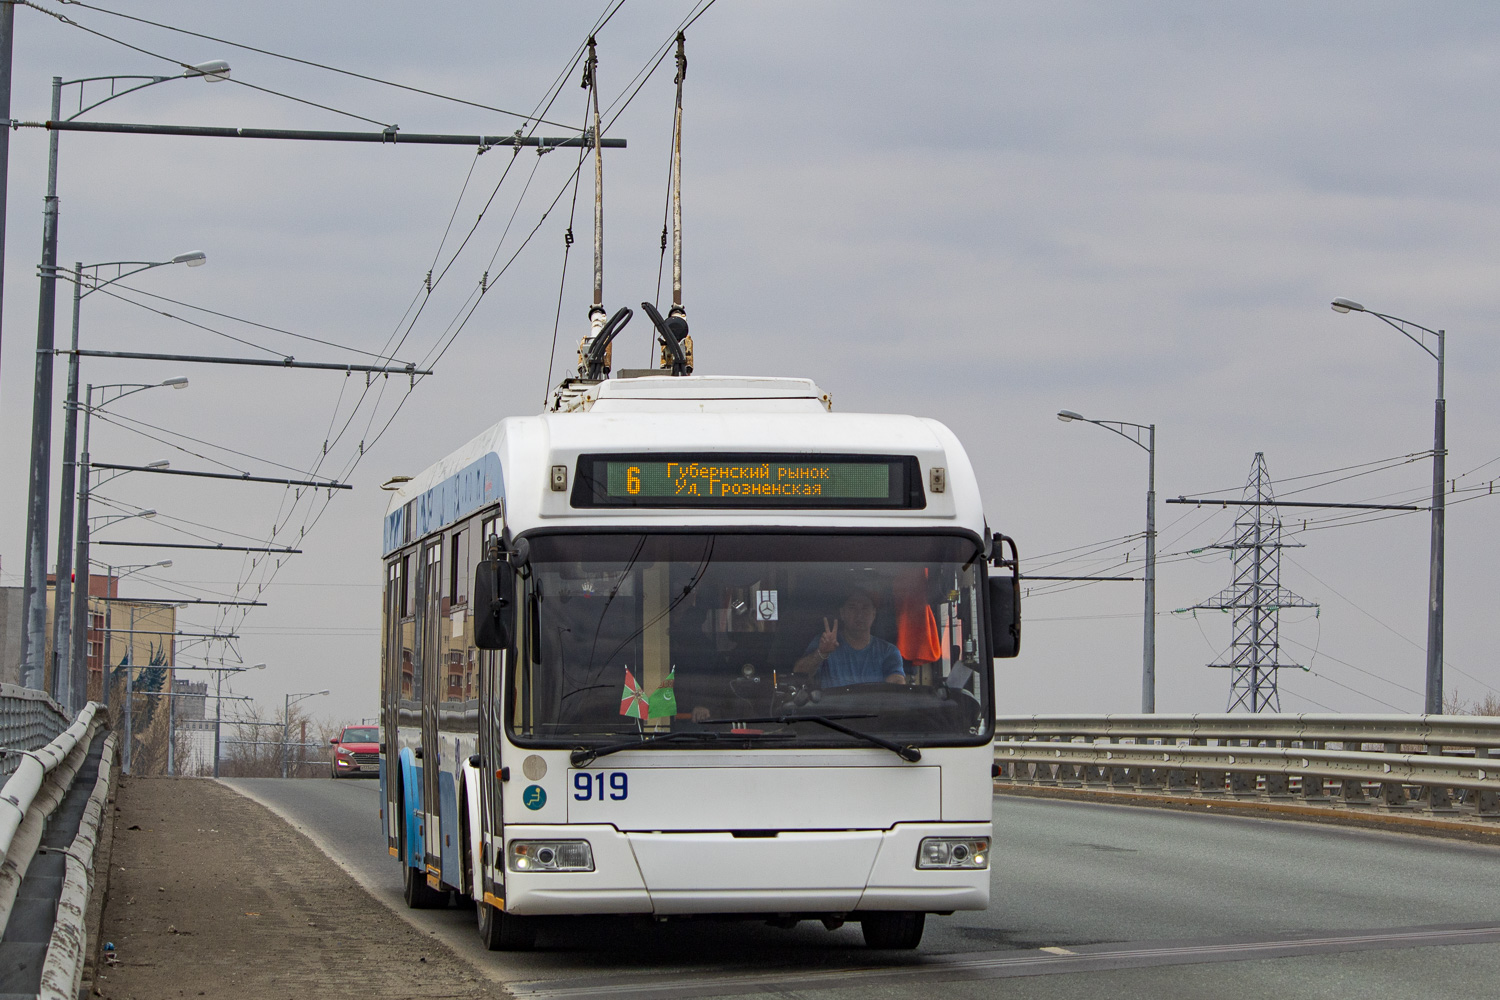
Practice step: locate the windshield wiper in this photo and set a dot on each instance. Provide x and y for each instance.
(583, 756)
(906, 753)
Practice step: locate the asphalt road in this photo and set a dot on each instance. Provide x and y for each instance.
(1088, 901)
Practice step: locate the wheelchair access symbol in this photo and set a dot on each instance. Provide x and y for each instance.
(535, 796)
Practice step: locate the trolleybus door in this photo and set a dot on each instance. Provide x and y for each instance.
(429, 594)
(390, 696)
(491, 709)
(491, 823)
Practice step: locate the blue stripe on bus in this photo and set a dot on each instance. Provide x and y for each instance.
(411, 788)
(480, 483)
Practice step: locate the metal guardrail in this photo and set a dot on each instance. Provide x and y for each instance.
(40, 781)
(67, 951)
(41, 778)
(1429, 766)
(29, 720)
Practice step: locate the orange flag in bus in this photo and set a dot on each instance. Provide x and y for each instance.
(916, 626)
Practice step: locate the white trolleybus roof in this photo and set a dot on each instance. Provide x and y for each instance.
(532, 463)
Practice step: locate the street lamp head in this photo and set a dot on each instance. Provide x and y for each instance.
(180, 382)
(147, 513)
(258, 666)
(165, 563)
(213, 71)
(1067, 416)
(1346, 305)
(159, 464)
(195, 259)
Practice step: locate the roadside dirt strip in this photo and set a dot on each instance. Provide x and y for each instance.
(210, 894)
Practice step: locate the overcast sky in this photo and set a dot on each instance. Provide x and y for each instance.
(977, 212)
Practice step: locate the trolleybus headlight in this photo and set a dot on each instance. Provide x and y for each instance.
(551, 856)
(954, 852)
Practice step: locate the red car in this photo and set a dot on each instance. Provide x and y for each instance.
(356, 753)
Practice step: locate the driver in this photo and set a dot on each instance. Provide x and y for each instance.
(857, 658)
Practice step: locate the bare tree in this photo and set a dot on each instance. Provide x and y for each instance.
(253, 745)
(1454, 704)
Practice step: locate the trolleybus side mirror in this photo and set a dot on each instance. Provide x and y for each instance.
(1005, 600)
(494, 599)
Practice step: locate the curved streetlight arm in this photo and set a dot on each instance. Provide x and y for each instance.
(1134, 435)
(131, 388)
(151, 81)
(129, 568)
(1397, 323)
(107, 519)
(211, 72)
(93, 284)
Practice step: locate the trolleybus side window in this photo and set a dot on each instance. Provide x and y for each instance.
(458, 694)
(405, 585)
(646, 634)
(458, 568)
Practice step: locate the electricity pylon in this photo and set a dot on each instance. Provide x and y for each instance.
(1256, 598)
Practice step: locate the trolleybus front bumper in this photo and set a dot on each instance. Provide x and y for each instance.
(823, 871)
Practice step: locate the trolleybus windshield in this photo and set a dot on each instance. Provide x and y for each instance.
(627, 635)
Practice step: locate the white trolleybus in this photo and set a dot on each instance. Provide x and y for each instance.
(695, 646)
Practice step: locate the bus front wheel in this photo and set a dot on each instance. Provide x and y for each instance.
(893, 930)
(500, 931)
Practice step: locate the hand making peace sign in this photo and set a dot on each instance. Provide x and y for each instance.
(830, 639)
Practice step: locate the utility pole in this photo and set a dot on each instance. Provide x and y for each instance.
(1256, 597)
(34, 638)
(1143, 436)
(79, 648)
(218, 712)
(1434, 700)
(63, 679)
(172, 715)
(1434, 686)
(7, 44)
(1148, 653)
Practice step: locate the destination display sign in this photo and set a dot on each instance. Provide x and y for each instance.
(665, 480)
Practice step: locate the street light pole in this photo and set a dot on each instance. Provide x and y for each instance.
(7, 49)
(1134, 435)
(80, 630)
(34, 635)
(1434, 686)
(62, 605)
(1148, 660)
(219, 673)
(79, 647)
(62, 658)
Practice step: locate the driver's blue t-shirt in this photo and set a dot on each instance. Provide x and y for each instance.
(847, 665)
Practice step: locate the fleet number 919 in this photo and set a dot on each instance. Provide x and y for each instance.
(589, 785)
